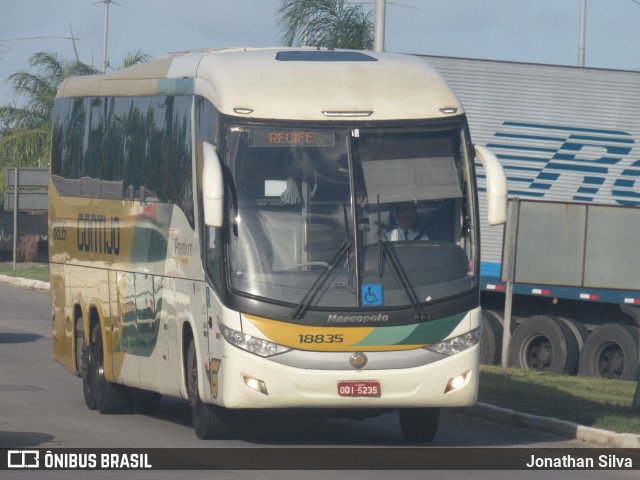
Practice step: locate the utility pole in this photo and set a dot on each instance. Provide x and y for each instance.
(105, 33)
(378, 40)
(380, 12)
(583, 30)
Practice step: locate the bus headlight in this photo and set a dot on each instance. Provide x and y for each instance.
(457, 344)
(254, 345)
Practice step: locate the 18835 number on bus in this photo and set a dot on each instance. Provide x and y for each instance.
(321, 338)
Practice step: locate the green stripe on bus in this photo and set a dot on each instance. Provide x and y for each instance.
(419, 334)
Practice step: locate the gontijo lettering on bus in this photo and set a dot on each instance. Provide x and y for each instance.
(98, 233)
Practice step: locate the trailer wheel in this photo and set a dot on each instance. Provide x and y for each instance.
(491, 338)
(209, 421)
(611, 351)
(544, 343)
(579, 331)
(419, 424)
(109, 397)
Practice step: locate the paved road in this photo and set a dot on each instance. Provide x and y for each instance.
(41, 405)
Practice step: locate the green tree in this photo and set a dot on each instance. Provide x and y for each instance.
(325, 23)
(25, 128)
(133, 58)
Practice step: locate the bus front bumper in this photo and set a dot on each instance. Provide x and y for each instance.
(243, 380)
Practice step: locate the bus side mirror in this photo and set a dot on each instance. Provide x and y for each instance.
(496, 186)
(212, 186)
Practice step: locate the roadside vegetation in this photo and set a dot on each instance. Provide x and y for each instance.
(32, 271)
(325, 23)
(25, 122)
(592, 402)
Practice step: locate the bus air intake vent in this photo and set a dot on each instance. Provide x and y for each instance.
(322, 56)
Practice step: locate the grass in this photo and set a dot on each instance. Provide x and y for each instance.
(593, 402)
(33, 271)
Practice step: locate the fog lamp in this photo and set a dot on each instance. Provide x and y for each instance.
(456, 382)
(255, 384)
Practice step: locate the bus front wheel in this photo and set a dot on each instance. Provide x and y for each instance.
(209, 421)
(419, 424)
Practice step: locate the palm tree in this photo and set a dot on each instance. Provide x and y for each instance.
(25, 129)
(133, 58)
(325, 23)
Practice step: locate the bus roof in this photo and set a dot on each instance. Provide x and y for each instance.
(287, 83)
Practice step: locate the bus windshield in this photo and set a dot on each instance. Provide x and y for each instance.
(326, 218)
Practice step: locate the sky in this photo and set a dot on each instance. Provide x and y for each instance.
(538, 31)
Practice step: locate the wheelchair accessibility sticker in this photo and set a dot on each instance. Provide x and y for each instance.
(371, 294)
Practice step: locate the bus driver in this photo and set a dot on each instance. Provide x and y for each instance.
(406, 215)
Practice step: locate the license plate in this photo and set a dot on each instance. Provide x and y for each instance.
(367, 388)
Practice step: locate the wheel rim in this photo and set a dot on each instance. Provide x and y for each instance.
(538, 353)
(610, 361)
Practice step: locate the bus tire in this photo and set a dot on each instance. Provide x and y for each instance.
(88, 372)
(79, 347)
(209, 421)
(611, 351)
(544, 343)
(419, 424)
(491, 339)
(109, 397)
(145, 402)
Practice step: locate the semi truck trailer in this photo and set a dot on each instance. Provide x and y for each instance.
(567, 138)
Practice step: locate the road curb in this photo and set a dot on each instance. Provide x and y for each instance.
(483, 410)
(554, 425)
(25, 283)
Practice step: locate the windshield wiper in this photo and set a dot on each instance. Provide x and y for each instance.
(405, 283)
(304, 304)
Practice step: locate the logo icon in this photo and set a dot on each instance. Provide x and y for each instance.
(372, 294)
(583, 162)
(358, 360)
(23, 458)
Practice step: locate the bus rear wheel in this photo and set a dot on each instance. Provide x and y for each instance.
(419, 424)
(84, 367)
(109, 397)
(209, 421)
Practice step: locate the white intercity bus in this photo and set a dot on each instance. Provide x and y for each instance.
(222, 228)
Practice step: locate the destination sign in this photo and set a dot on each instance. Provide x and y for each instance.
(280, 137)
